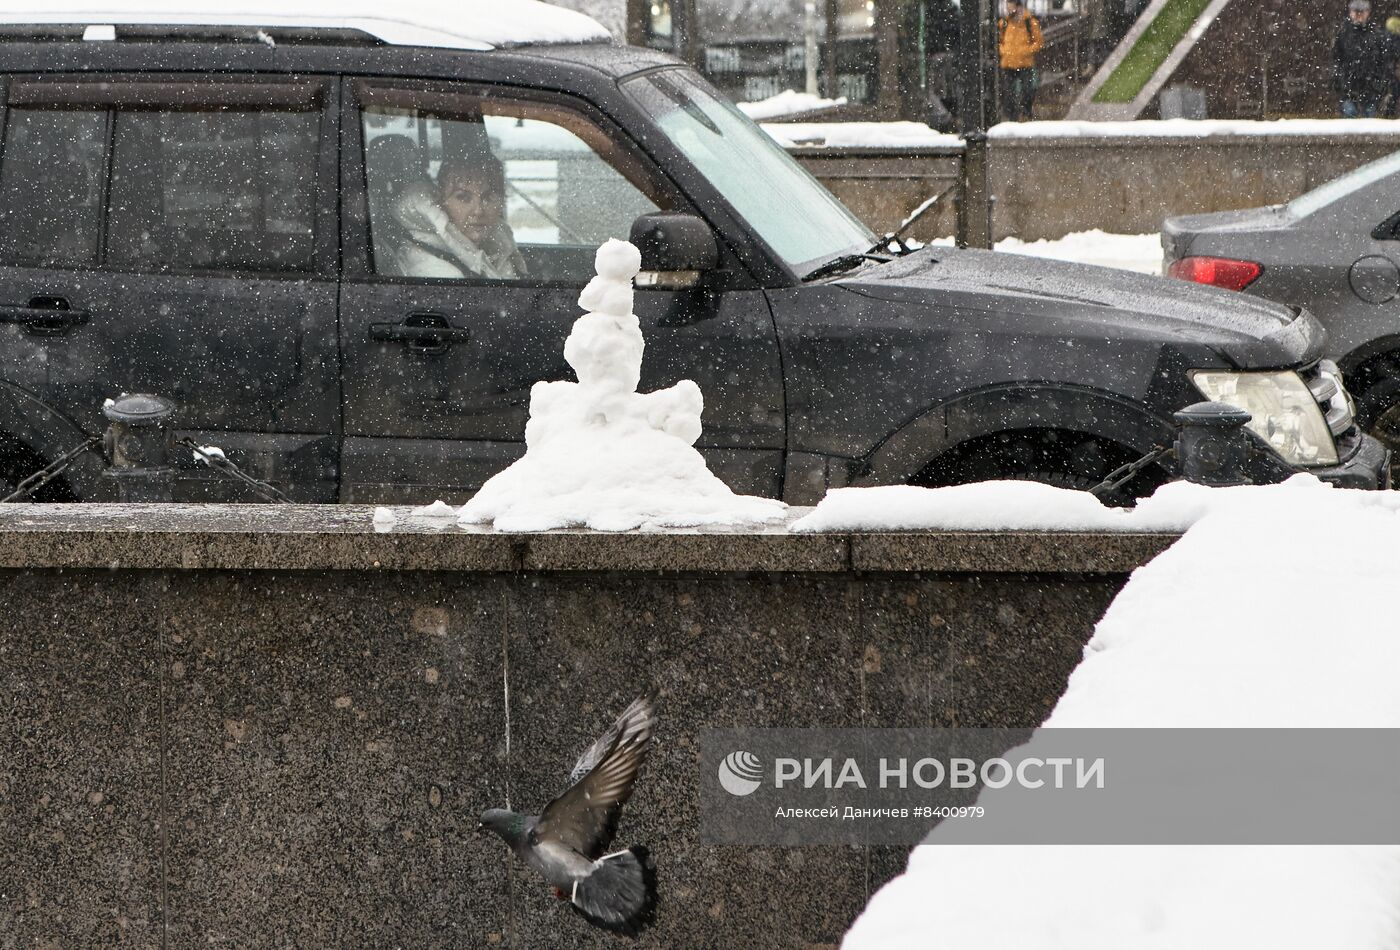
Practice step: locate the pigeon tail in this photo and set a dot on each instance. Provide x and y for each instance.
(619, 893)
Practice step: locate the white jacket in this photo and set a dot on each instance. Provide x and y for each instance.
(435, 248)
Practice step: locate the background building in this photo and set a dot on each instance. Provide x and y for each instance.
(892, 58)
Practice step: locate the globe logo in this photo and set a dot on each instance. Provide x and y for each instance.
(739, 773)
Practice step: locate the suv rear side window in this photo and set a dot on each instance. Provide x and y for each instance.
(170, 177)
(225, 190)
(51, 186)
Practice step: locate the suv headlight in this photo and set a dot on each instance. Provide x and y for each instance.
(1282, 409)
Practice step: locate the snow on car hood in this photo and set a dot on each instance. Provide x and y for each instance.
(1250, 331)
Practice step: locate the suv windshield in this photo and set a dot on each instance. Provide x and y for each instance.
(1339, 188)
(796, 216)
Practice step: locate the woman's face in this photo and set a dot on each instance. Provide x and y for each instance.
(474, 205)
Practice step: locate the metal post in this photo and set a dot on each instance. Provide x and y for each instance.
(831, 82)
(139, 444)
(1264, 83)
(1078, 70)
(889, 101)
(974, 217)
(685, 28)
(638, 19)
(1213, 447)
(809, 56)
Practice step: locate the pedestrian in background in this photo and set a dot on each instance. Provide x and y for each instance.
(1360, 63)
(1392, 68)
(1019, 39)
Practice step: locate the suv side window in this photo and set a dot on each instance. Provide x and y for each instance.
(51, 186)
(213, 190)
(485, 186)
(171, 177)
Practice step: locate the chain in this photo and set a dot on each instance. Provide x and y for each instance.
(49, 472)
(224, 467)
(1120, 476)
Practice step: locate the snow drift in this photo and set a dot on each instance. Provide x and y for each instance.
(1289, 590)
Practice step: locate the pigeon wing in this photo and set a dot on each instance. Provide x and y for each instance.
(599, 749)
(584, 818)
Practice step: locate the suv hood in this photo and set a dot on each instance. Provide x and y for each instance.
(1248, 331)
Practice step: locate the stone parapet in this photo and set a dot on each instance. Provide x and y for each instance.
(273, 726)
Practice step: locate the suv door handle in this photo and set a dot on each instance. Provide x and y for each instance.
(421, 333)
(44, 316)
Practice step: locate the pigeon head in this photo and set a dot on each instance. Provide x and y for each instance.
(508, 824)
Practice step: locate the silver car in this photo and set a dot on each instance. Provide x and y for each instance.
(1335, 251)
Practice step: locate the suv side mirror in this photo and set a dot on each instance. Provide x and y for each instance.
(676, 249)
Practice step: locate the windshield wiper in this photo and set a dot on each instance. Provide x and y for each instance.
(896, 236)
(844, 262)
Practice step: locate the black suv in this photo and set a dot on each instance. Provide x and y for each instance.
(257, 222)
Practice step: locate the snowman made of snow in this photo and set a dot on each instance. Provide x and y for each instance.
(601, 455)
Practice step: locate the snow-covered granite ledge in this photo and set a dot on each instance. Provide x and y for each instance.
(346, 538)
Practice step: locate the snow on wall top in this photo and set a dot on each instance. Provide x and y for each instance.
(919, 135)
(860, 134)
(444, 24)
(1193, 128)
(787, 102)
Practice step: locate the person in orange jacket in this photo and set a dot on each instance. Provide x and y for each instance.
(1019, 39)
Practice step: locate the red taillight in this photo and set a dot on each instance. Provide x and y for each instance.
(1216, 271)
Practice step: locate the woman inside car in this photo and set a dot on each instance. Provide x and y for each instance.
(457, 229)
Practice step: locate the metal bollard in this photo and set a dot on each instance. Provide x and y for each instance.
(138, 445)
(1213, 446)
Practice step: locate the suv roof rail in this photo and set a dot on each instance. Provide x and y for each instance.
(463, 25)
(273, 36)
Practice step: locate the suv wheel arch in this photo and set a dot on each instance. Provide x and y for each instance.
(1123, 428)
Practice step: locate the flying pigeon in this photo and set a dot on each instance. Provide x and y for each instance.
(567, 841)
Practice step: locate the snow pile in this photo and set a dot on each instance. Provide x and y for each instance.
(1124, 898)
(1289, 589)
(462, 24)
(982, 506)
(860, 134)
(601, 455)
(1192, 128)
(1135, 252)
(612, 14)
(1031, 506)
(438, 509)
(787, 102)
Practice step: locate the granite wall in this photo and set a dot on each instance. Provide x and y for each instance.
(1048, 187)
(275, 726)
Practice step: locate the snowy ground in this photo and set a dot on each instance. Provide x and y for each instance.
(1135, 252)
(1271, 611)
